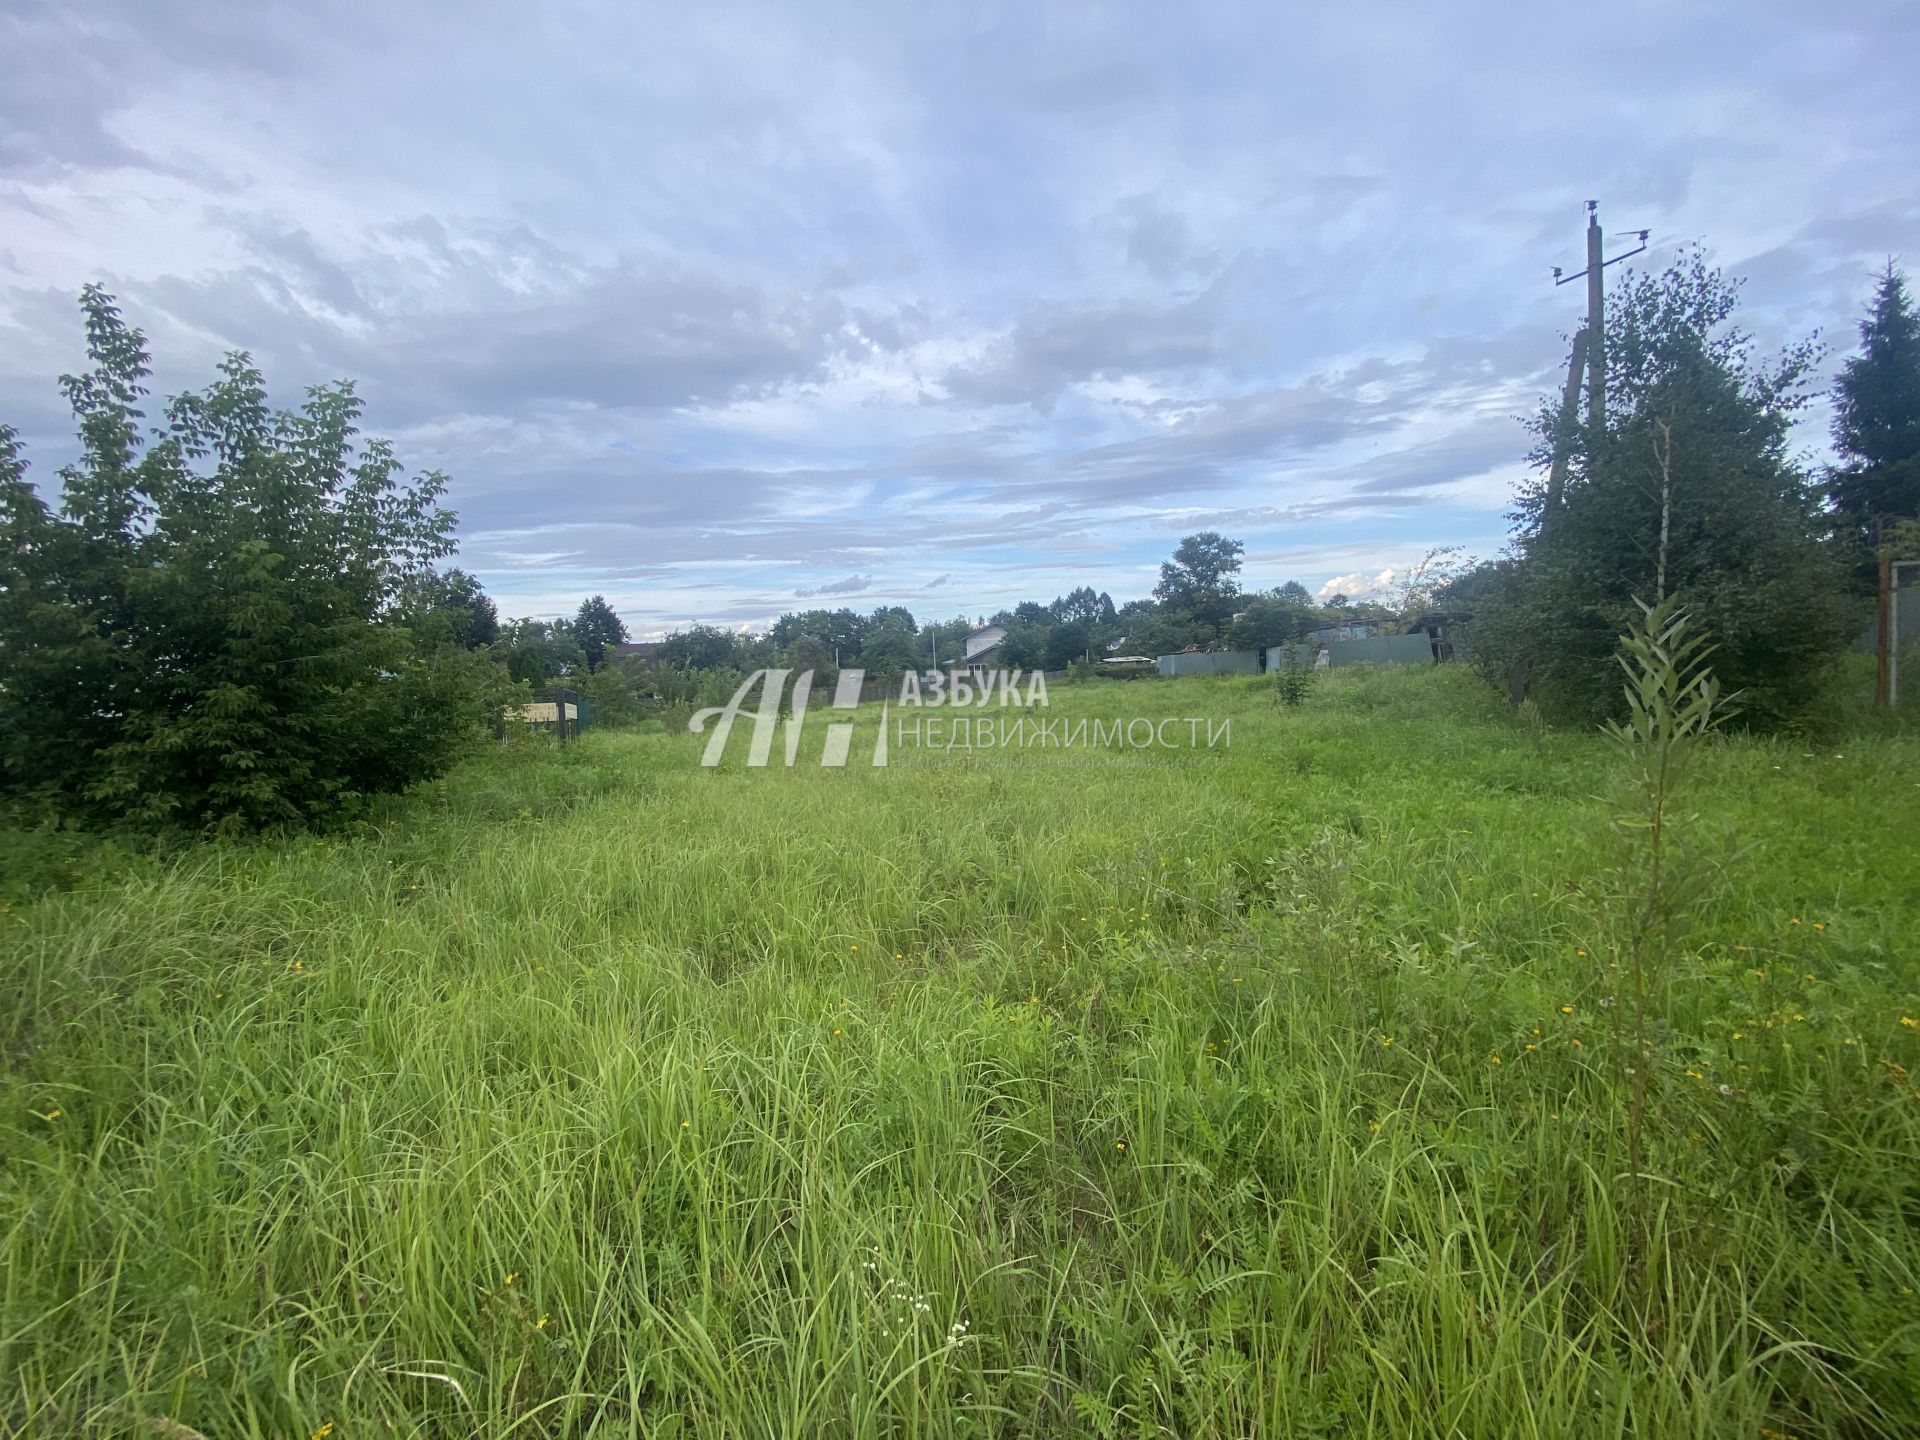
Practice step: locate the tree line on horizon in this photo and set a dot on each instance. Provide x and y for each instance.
(1199, 601)
(241, 618)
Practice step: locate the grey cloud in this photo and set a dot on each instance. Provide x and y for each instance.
(1159, 240)
(852, 585)
(640, 333)
(1054, 346)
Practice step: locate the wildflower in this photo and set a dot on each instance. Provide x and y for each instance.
(1799, 1017)
(49, 1115)
(1531, 1046)
(1120, 1145)
(1388, 1039)
(1236, 979)
(1578, 1046)
(1494, 1058)
(1581, 953)
(1910, 1022)
(1739, 1034)
(324, 1431)
(1807, 979)
(836, 1030)
(898, 955)
(543, 1322)
(853, 949)
(1794, 921)
(1820, 925)
(1373, 1125)
(513, 1276)
(1566, 1009)
(1695, 1075)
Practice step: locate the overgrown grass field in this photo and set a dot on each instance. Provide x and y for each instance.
(1274, 1089)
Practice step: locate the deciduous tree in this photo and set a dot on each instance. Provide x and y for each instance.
(215, 629)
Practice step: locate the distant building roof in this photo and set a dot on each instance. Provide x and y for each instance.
(979, 642)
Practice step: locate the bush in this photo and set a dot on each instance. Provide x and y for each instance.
(224, 629)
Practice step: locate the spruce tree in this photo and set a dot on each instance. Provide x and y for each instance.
(1876, 426)
(596, 628)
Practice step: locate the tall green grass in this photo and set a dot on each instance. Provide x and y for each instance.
(1269, 1090)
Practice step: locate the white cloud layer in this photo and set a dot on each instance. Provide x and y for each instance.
(709, 308)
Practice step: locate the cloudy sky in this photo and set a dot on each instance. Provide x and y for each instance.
(717, 308)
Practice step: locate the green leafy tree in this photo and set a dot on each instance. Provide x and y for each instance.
(596, 629)
(1269, 620)
(1085, 606)
(1876, 425)
(218, 627)
(704, 647)
(841, 630)
(538, 652)
(1294, 593)
(890, 650)
(456, 600)
(810, 652)
(1200, 580)
(1691, 494)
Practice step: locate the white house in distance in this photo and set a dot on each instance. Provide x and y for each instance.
(983, 646)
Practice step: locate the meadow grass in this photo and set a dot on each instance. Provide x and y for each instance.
(1272, 1089)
